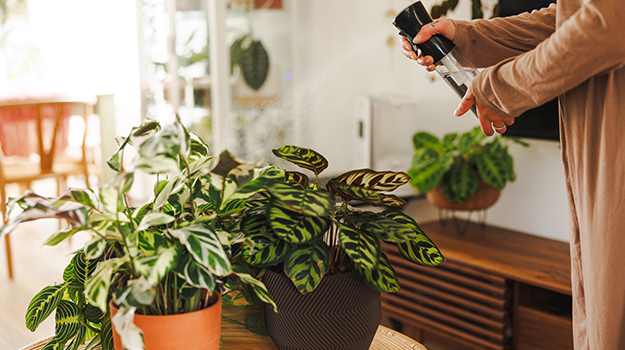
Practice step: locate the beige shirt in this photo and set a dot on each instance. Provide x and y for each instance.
(576, 51)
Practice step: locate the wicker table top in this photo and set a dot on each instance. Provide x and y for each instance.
(236, 337)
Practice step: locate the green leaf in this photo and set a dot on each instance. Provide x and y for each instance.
(159, 164)
(66, 321)
(93, 314)
(106, 333)
(303, 200)
(303, 157)
(42, 305)
(385, 228)
(259, 289)
(83, 267)
(307, 264)
(297, 178)
(463, 180)
(232, 207)
(382, 278)
(425, 140)
(79, 339)
(235, 52)
(373, 180)
(294, 227)
(254, 224)
(205, 247)
(452, 4)
(492, 169)
(427, 174)
(361, 247)
(264, 250)
(53, 344)
(255, 323)
(155, 267)
(254, 63)
(61, 236)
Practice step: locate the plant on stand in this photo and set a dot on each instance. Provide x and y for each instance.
(168, 256)
(321, 256)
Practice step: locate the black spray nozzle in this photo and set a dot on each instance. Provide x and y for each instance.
(410, 20)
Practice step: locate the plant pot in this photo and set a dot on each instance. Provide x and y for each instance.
(343, 312)
(483, 198)
(198, 330)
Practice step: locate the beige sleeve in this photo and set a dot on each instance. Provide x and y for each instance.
(488, 42)
(590, 42)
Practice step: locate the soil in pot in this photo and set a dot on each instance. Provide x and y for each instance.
(342, 313)
(198, 330)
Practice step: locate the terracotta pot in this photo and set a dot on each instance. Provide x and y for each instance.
(483, 198)
(198, 330)
(342, 313)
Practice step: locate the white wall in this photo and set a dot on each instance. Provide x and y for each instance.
(343, 53)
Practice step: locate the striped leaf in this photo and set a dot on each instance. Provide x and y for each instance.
(303, 200)
(463, 181)
(294, 227)
(53, 344)
(421, 250)
(264, 250)
(205, 247)
(382, 278)
(362, 248)
(106, 333)
(79, 339)
(425, 140)
(255, 323)
(93, 314)
(492, 169)
(259, 288)
(384, 228)
(374, 180)
(97, 287)
(67, 323)
(83, 268)
(307, 264)
(231, 207)
(254, 224)
(348, 193)
(303, 157)
(42, 305)
(296, 178)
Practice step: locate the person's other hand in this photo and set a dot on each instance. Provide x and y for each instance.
(442, 26)
(489, 121)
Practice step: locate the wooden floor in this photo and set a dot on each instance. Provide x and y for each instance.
(34, 267)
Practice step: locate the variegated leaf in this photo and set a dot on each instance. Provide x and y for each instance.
(264, 250)
(254, 224)
(307, 264)
(231, 207)
(348, 192)
(156, 266)
(303, 157)
(205, 247)
(361, 247)
(66, 321)
(250, 186)
(154, 219)
(131, 335)
(61, 236)
(297, 178)
(303, 200)
(94, 248)
(374, 180)
(197, 275)
(42, 305)
(294, 227)
(382, 278)
(259, 289)
(97, 286)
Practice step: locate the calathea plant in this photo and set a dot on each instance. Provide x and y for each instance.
(459, 162)
(302, 229)
(163, 257)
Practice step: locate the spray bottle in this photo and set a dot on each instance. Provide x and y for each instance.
(450, 63)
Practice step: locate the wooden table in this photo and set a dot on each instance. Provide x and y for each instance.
(237, 337)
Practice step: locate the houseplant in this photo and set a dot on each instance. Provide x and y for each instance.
(453, 169)
(312, 245)
(167, 256)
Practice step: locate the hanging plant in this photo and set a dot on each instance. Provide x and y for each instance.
(250, 55)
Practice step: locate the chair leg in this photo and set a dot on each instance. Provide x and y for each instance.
(7, 240)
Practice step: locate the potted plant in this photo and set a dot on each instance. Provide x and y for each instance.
(158, 262)
(323, 260)
(462, 172)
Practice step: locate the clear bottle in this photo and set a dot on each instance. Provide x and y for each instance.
(457, 71)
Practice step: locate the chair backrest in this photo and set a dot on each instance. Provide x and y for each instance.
(31, 126)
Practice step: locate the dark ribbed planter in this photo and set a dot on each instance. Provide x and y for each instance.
(342, 313)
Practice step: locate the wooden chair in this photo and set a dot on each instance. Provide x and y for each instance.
(34, 145)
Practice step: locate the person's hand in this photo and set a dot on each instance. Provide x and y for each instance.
(489, 121)
(439, 26)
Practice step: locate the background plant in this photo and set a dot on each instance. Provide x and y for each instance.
(458, 162)
(163, 257)
(300, 227)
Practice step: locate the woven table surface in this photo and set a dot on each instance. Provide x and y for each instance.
(236, 337)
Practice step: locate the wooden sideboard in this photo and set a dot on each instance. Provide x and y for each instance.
(498, 289)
